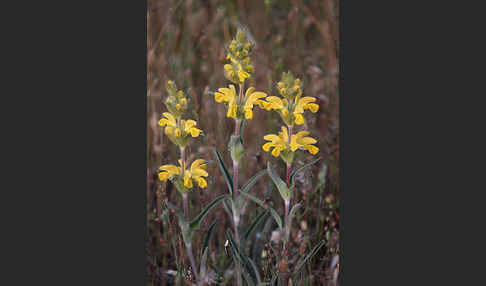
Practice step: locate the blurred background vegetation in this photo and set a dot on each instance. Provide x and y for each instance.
(185, 43)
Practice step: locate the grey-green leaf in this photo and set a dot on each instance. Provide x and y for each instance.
(197, 221)
(207, 237)
(281, 185)
(253, 180)
(224, 170)
(253, 225)
(273, 212)
(301, 168)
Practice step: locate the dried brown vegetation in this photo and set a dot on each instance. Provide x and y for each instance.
(185, 43)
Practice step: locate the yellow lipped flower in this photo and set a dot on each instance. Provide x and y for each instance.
(185, 182)
(179, 131)
(245, 108)
(302, 104)
(168, 171)
(281, 143)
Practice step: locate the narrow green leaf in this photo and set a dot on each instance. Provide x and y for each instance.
(224, 170)
(197, 221)
(293, 211)
(309, 256)
(255, 222)
(281, 185)
(239, 256)
(207, 237)
(291, 216)
(253, 180)
(273, 212)
(301, 168)
(255, 270)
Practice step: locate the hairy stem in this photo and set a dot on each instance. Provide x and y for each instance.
(236, 218)
(193, 262)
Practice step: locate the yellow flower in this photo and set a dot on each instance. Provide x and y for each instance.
(179, 131)
(194, 174)
(282, 106)
(237, 110)
(168, 171)
(302, 104)
(227, 95)
(252, 98)
(282, 143)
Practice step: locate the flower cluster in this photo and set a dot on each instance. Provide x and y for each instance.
(238, 71)
(179, 132)
(176, 102)
(238, 52)
(238, 109)
(184, 180)
(291, 108)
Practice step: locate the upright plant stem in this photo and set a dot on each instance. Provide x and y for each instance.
(284, 262)
(186, 215)
(236, 218)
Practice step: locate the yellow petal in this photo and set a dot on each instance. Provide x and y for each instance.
(299, 119)
(312, 149)
(188, 124)
(248, 92)
(177, 132)
(194, 132)
(313, 107)
(284, 134)
(232, 110)
(228, 67)
(276, 151)
(187, 182)
(307, 141)
(271, 137)
(266, 147)
(248, 114)
(199, 173)
(169, 130)
(202, 183)
(163, 122)
(164, 176)
(170, 118)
